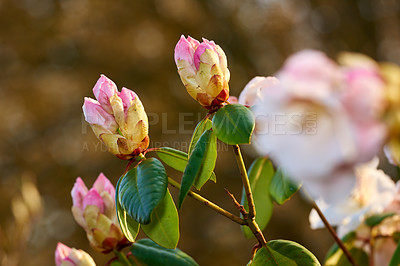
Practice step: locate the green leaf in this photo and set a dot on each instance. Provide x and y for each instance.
(233, 124)
(164, 226)
(128, 225)
(142, 188)
(260, 176)
(282, 188)
(396, 257)
(202, 126)
(178, 160)
(152, 254)
(200, 165)
(347, 239)
(173, 158)
(374, 220)
(283, 253)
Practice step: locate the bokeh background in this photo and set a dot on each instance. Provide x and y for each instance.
(53, 51)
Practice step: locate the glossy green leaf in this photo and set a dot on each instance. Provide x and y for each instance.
(152, 254)
(282, 188)
(395, 261)
(283, 253)
(178, 160)
(374, 220)
(142, 188)
(202, 126)
(260, 176)
(173, 158)
(164, 226)
(128, 225)
(233, 124)
(200, 165)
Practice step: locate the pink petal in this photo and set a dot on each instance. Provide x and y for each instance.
(184, 49)
(200, 50)
(127, 96)
(62, 252)
(95, 114)
(93, 198)
(103, 90)
(78, 192)
(102, 183)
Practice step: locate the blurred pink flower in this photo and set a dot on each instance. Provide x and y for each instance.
(203, 70)
(307, 123)
(117, 118)
(95, 211)
(66, 256)
(252, 92)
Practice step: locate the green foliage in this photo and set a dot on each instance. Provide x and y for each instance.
(282, 188)
(128, 225)
(164, 226)
(178, 160)
(142, 188)
(396, 257)
(283, 253)
(260, 176)
(233, 124)
(374, 220)
(202, 126)
(200, 165)
(152, 254)
(173, 158)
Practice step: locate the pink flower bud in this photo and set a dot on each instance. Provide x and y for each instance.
(118, 119)
(65, 255)
(94, 210)
(103, 90)
(203, 70)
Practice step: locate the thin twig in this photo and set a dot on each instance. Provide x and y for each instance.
(333, 233)
(245, 180)
(209, 204)
(237, 204)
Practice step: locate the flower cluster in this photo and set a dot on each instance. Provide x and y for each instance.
(320, 119)
(118, 119)
(66, 256)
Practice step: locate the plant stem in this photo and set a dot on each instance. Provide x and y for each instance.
(122, 258)
(333, 233)
(209, 204)
(245, 180)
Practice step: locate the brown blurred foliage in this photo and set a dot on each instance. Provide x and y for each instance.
(52, 52)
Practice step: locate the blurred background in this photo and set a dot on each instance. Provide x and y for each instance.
(51, 55)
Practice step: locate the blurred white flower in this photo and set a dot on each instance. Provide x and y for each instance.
(372, 194)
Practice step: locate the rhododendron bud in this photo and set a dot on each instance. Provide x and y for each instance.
(118, 119)
(66, 256)
(203, 70)
(94, 210)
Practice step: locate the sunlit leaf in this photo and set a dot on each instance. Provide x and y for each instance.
(233, 124)
(282, 188)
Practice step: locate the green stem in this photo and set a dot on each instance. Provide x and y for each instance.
(209, 204)
(245, 180)
(122, 258)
